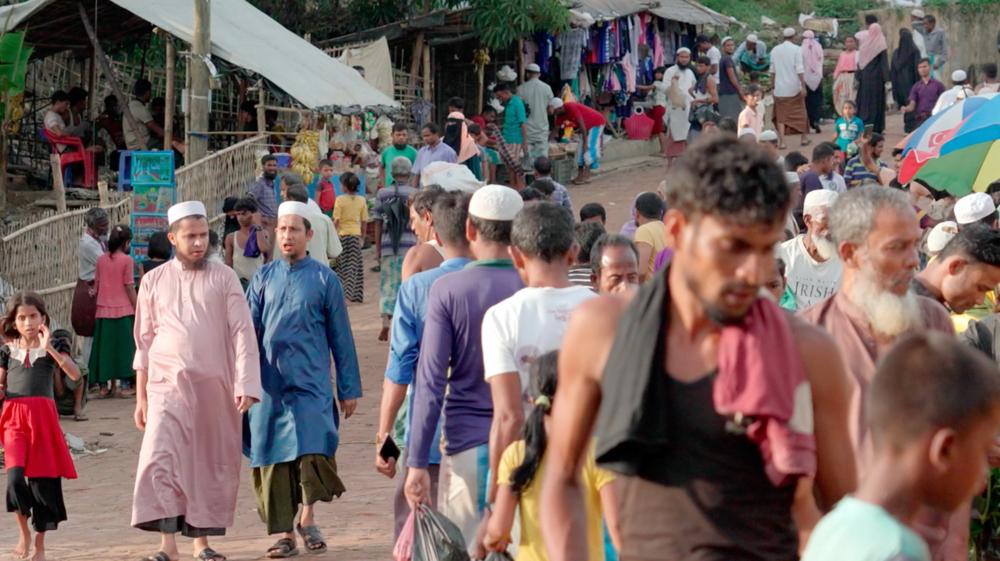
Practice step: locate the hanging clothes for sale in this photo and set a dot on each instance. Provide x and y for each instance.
(546, 44)
(571, 44)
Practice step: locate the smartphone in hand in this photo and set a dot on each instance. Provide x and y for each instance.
(389, 450)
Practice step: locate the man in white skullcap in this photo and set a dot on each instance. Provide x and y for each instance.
(452, 339)
(529, 324)
(536, 95)
(939, 236)
(812, 266)
(788, 77)
(975, 207)
(959, 90)
(680, 80)
(197, 371)
(298, 309)
(751, 54)
(965, 270)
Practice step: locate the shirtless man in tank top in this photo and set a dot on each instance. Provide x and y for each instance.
(705, 492)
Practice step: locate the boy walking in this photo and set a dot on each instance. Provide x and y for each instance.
(933, 411)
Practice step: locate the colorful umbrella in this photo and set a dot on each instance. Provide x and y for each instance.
(983, 126)
(963, 171)
(925, 143)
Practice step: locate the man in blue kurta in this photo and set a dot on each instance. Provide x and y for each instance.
(298, 310)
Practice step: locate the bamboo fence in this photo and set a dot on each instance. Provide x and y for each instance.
(43, 256)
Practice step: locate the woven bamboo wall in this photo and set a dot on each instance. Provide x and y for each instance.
(43, 256)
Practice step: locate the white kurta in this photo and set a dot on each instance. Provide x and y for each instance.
(677, 115)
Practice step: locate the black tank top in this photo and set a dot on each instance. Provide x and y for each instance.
(718, 490)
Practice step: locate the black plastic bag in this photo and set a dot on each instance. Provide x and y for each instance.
(436, 538)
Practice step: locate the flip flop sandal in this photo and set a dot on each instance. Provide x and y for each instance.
(312, 537)
(160, 556)
(80, 417)
(282, 549)
(209, 554)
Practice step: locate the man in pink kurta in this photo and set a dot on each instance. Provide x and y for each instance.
(198, 372)
(878, 235)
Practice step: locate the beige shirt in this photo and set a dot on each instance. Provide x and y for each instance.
(137, 140)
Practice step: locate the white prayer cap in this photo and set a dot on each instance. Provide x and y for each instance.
(747, 131)
(495, 202)
(788, 32)
(183, 210)
(752, 38)
(959, 76)
(533, 68)
(918, 13)
(294, 208)
(683, 50)
(808, 34)
(768, 136)
(792, 178)
(940, 236)
(974, 207)
(818, 199)
(556, 103)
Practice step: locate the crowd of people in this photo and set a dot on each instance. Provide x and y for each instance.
(776, 357)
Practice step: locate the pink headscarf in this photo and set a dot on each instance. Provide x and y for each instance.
(871, 44)
(812, 59)
(467, 147)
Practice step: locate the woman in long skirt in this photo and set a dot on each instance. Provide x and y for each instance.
(114, 345)
(350, 213)
(873, 64)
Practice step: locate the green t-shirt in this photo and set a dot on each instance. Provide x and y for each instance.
(513, 115)
(861, 531)
(389, 154)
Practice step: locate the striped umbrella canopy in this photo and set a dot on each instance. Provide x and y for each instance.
(981, 126)
(964, 171)
(925, 143)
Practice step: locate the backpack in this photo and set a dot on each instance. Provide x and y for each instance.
(395, 212)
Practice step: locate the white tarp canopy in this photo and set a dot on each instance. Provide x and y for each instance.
(247, 37)
(685, 11)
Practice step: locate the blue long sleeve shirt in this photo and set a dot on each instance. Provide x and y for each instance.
(407, 330)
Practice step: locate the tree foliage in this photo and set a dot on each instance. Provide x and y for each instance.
(501, 23)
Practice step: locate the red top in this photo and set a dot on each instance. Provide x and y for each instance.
(327, 196)
(574, 111)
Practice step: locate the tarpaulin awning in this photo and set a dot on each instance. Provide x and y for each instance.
(240, 34)
(685, 11)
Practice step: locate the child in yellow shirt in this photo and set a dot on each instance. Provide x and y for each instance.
(350, 213)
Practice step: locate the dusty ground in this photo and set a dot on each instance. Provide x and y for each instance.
(359, 525)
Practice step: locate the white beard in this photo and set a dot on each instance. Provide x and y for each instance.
(825, 247)
(888, 314)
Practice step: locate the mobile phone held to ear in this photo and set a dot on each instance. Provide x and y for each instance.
(869, 129)
(389, 450)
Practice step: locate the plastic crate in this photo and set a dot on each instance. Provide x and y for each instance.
(563, 170)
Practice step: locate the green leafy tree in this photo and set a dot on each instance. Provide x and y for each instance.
(501, 23)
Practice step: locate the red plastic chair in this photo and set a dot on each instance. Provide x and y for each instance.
(75, 152)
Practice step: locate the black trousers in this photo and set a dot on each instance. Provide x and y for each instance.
(38, 498)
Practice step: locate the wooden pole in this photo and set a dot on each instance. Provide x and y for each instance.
(418, 53)
(3, 162)
(428, 76)
(261, 107)
(92, 87)
(200, 47)
(168, 116)
(57, 183)
(187, 93)
(106, 69)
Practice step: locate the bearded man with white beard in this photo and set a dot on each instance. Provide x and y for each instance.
(877, 236)
(812, 267)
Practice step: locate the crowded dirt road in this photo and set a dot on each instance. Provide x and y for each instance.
(358, 526)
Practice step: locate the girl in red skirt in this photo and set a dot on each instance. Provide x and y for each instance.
(35, 451)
